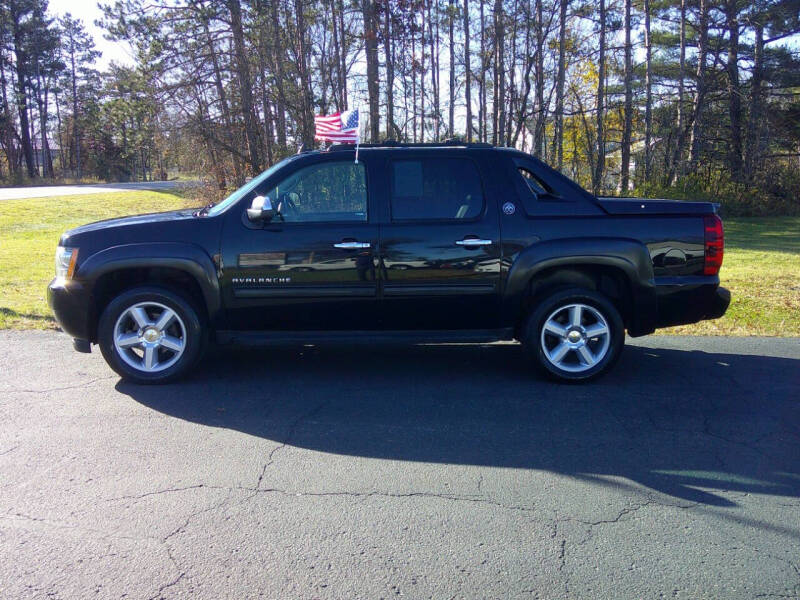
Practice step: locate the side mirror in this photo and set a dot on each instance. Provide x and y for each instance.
(261, 210)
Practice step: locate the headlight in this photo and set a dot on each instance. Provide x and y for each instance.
(65, 262)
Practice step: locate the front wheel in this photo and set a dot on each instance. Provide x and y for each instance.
(574, 335)
(150, 335)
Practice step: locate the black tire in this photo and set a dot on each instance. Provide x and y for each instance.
(535, 343)
(193, 334)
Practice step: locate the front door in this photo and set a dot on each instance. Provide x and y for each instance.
(440, 250)
(311, 267)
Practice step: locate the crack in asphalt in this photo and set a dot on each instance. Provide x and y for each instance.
(106, 535)
(10, 450)
(180, 529)
(289, 435)
(625, 511)
(59, 389)
(181, 574)
(378, 494)
(165, 491)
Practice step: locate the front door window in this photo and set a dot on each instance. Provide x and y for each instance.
(326, 192)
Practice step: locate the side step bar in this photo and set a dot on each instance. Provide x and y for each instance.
(262, 338)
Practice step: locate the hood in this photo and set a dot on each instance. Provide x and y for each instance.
(125, 222)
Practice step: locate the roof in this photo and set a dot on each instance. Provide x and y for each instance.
(452, 143)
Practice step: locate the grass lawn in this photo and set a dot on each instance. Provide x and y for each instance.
(761, 268)
(29, 232)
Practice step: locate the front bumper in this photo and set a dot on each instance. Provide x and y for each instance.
(70, 303)
(682, 305)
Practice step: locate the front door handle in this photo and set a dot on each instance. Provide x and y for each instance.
(352, 245)
(474, 242)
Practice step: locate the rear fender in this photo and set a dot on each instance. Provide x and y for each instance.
(628, 256)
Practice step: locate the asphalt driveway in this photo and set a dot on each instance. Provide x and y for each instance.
(422, 471)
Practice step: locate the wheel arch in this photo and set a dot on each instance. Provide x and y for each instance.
(620, 269)
(184, 268)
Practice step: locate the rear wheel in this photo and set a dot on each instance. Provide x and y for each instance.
(574, 335)
(151, 335)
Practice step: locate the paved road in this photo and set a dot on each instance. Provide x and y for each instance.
(426, 472)
(96, 188)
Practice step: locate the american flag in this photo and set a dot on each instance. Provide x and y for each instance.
(338, 127)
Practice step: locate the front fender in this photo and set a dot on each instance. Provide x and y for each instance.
(187, 257)
(631, 257)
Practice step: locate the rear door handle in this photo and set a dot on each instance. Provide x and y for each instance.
(474, 242)
(352, 245)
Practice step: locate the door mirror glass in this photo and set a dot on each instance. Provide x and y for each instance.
(261, 210)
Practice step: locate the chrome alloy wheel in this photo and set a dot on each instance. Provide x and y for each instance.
(149, 336)
(575, 337)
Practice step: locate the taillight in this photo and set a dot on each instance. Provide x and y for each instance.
(714, 244)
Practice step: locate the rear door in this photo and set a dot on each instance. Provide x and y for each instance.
(311, 267)
(440, 246)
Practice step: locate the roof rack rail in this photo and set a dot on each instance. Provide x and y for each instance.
(453, 142)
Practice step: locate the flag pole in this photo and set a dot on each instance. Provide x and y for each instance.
(358, 133)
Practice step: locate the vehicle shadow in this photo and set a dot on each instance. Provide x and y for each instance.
(683, 423)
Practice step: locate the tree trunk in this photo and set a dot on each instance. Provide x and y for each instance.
(451, 114)
(47, 155)
(499, 115)
(75, 125)
(754, 122)
(278, 62)
(467, 72)
(371, 43)
(413, 87)
(541, 108)
(600, 164)
(433, 29)
(422, 115)
(558, 134)
(734, 91)
(700, 91)
(245, 87)
(59, 130)
(7, 130)
(391, 128)
(306, 93)
(482, 79)
(648, 93)
(22, 99)
(343, 57)
(676, 164)
(625, 150)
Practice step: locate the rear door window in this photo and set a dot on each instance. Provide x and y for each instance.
(435, 189)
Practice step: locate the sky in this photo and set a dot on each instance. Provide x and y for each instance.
(87, 11)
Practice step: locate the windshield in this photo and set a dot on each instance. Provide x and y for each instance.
(248, 187)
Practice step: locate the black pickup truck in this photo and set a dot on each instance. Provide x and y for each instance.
(415, 242)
